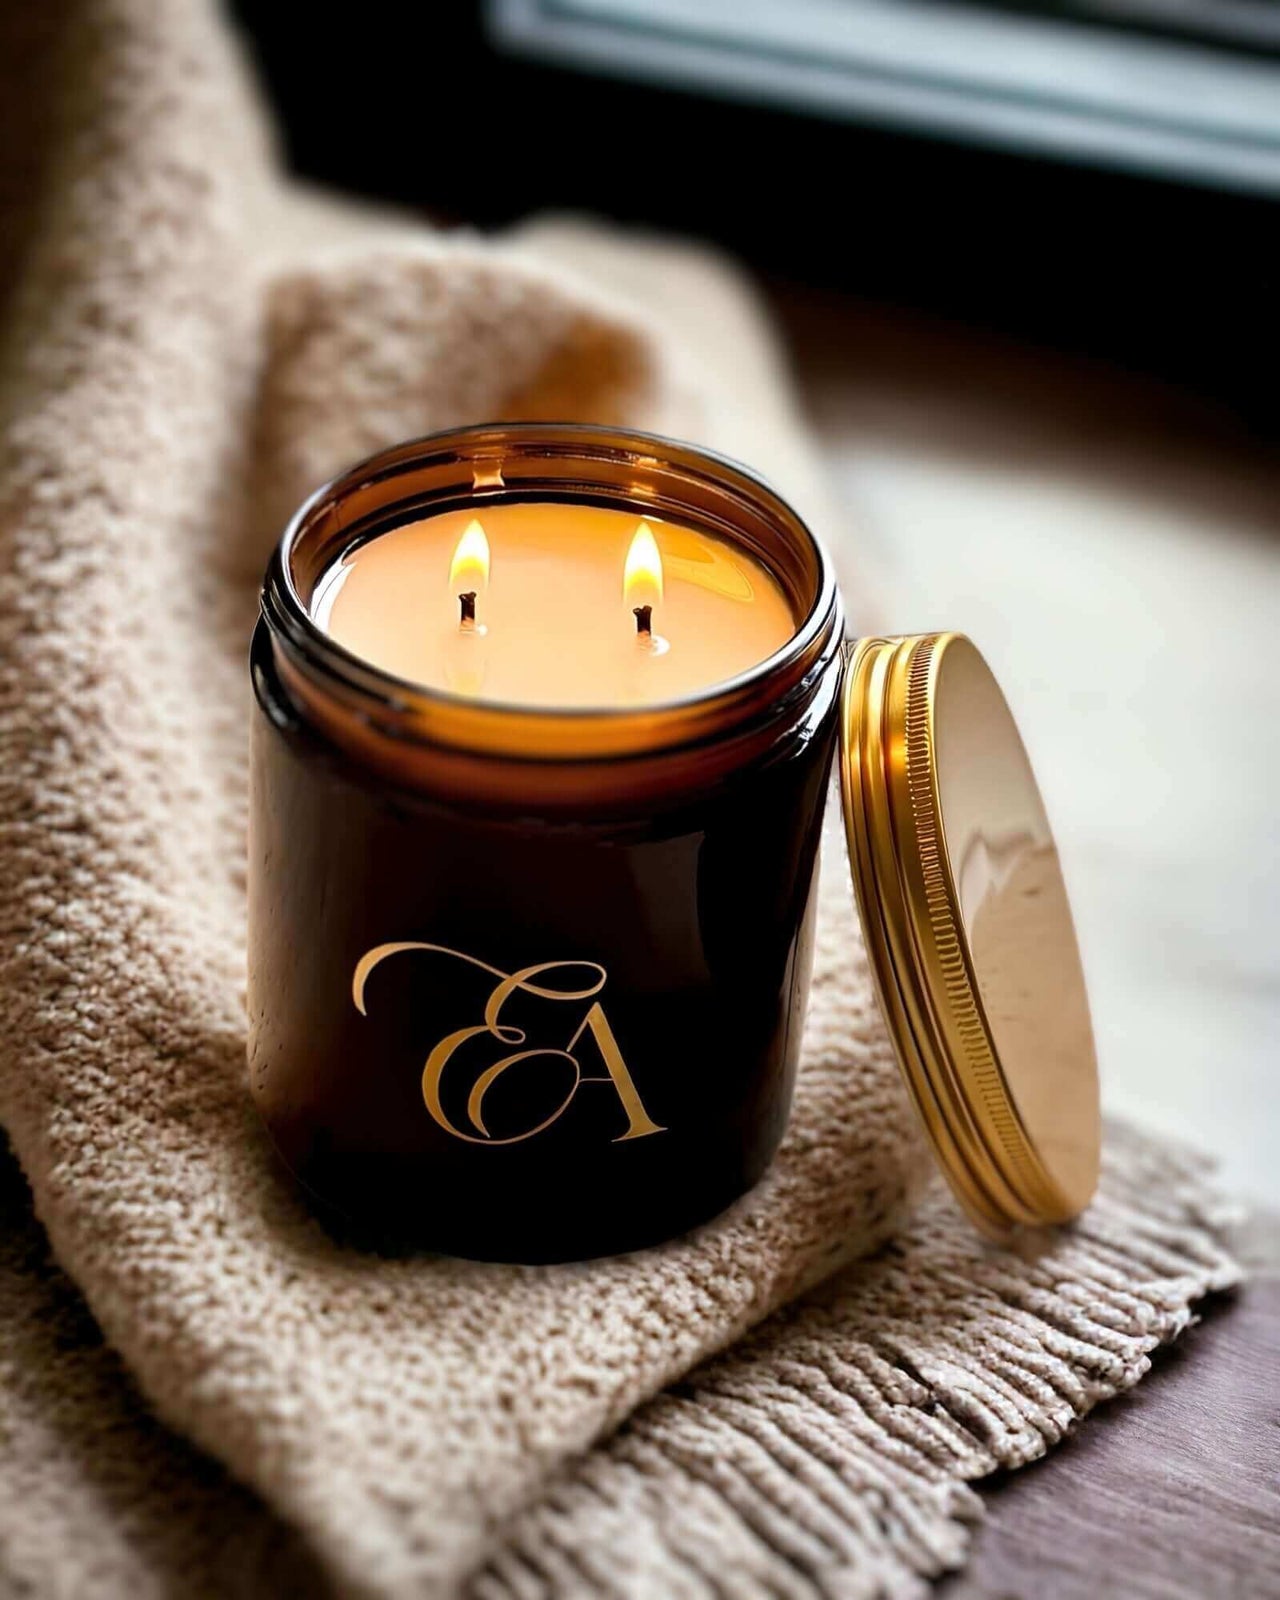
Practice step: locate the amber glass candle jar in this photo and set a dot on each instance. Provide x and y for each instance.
(528, 982)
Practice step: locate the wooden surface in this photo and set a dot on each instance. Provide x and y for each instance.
(1170, 1493)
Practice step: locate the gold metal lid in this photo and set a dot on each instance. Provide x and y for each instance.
(968, 928)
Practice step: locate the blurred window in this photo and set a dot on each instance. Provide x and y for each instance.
(1181, 88)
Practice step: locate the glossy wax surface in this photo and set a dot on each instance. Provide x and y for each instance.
(557, 629)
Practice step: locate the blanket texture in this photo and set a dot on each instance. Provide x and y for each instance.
(200, 1393)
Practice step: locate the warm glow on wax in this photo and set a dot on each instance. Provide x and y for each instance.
(548, 626)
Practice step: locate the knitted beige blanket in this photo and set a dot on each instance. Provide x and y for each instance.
(189, 347)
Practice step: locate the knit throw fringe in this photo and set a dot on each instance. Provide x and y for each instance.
(828, 1456)
(831, 1453)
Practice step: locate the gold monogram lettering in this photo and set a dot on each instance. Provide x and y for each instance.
(537, 981)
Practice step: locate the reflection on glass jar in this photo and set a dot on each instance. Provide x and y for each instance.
(528, 974)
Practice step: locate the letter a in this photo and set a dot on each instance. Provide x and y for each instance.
(639, 1122)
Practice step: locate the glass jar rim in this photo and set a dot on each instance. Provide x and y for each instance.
(483, 458)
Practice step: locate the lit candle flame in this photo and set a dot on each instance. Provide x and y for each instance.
(469, 569)
(642, 576)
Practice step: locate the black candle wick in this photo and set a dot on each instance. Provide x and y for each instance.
(467, 609)
(644, 621)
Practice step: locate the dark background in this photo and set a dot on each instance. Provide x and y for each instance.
(1164, 277)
